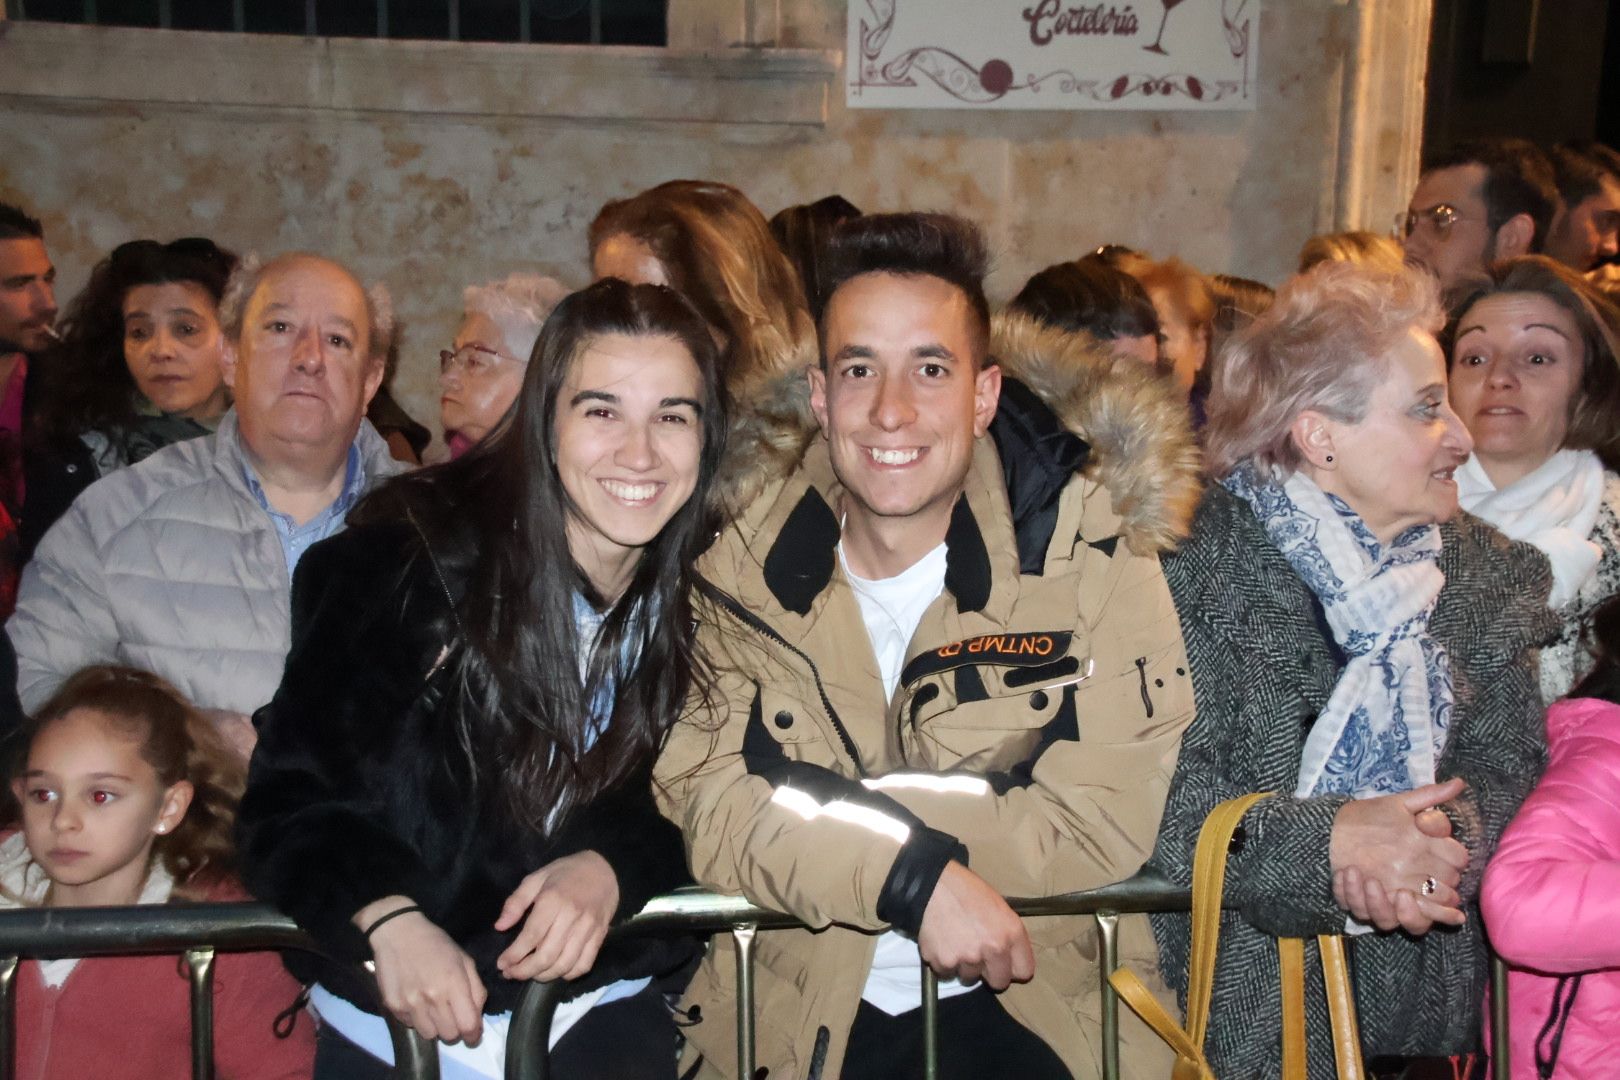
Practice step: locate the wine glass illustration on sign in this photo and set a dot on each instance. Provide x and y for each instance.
(1169, 6)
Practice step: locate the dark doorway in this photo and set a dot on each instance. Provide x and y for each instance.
(1545, 70)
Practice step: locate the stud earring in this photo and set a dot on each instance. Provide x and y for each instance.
(162, 828)
(1330, 458)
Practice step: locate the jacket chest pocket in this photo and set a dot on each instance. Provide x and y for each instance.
(781, 728)
(993, 707)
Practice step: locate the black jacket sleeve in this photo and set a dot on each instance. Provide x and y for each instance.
(312, 835)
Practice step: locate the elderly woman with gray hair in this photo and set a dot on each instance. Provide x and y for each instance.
(482, 371)
(1361, 650)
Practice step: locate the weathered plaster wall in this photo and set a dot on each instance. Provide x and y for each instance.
(377, 161)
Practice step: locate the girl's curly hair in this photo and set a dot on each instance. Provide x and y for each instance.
(180, 743)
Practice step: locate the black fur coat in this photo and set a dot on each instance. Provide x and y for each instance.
(359, 789)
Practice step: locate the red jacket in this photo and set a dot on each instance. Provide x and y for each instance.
(130, 1017)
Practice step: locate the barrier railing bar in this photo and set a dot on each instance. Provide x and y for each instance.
(525, 22)
(1499, 1019)
(166, 14)
(930, 1018)
(744, 937)
(8, 1016)
(50, 933)
(239, 15)
(1107, 962)
(201, 964)
(415, 1058)
(382, 18)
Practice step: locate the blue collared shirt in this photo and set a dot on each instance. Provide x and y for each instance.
(295, 538)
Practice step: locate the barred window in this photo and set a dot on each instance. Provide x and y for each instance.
(563, 22)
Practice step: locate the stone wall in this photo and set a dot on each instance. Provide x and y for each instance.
(433, 165)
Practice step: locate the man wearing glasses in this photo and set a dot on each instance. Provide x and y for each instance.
(1483, 200)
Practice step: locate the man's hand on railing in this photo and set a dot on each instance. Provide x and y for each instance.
(968, 932)
(426, 980)
(570, 905)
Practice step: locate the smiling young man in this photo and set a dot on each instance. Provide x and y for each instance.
(947, 671)
(182, 564)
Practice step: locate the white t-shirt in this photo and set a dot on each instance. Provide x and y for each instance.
(891, 609)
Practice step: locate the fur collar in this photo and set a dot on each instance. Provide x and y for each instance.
(1142, 446)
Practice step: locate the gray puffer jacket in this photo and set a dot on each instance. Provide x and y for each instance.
(171, 565)
(1263, 667)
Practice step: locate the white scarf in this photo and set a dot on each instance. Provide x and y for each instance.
(23, 884)
(1385, 723)
(1554, 508)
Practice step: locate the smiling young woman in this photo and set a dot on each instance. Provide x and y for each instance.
(426, 718)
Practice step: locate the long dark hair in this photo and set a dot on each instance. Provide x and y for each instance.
(521, 702)
(86, 383)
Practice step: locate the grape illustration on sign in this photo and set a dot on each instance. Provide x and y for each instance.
(1052, 54)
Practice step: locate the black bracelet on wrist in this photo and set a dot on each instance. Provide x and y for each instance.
(396, 913)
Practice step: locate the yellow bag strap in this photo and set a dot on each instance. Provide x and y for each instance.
(1209, 883)
(1291, 958)
(1341, 1001)
(1208, 888)
(1190, 1063)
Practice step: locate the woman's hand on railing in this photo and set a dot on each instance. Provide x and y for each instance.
(570, 905)
(1384, 850)
(425, 978)
(969, 933)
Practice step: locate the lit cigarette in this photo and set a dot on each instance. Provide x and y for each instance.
(51, 332)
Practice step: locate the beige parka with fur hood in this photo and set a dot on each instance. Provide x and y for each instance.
(1033, 733)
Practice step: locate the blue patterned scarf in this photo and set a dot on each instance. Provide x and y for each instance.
(1385, 723)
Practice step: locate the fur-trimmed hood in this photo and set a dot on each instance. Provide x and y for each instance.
(1142, 448)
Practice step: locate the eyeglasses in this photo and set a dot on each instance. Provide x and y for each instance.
(1439, 218)
(472, 359)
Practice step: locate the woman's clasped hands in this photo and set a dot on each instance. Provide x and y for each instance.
(1395, 863)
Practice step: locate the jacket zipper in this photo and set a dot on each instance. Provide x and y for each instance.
(748, 618)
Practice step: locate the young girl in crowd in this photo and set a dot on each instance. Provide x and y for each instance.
(127, 797)
(1552, 892)
(431, 790)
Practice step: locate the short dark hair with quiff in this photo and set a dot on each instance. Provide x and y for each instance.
(1518, 180)
(17, 225)
(912, 245)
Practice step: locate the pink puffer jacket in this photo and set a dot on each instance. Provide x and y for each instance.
(1551, 896)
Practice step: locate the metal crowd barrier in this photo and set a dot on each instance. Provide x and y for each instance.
(198, 931)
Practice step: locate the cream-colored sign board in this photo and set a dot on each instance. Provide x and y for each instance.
(1052, 54)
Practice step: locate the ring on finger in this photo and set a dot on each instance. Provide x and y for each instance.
(1429, 886)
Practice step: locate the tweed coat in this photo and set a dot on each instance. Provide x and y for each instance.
(1263, 667)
